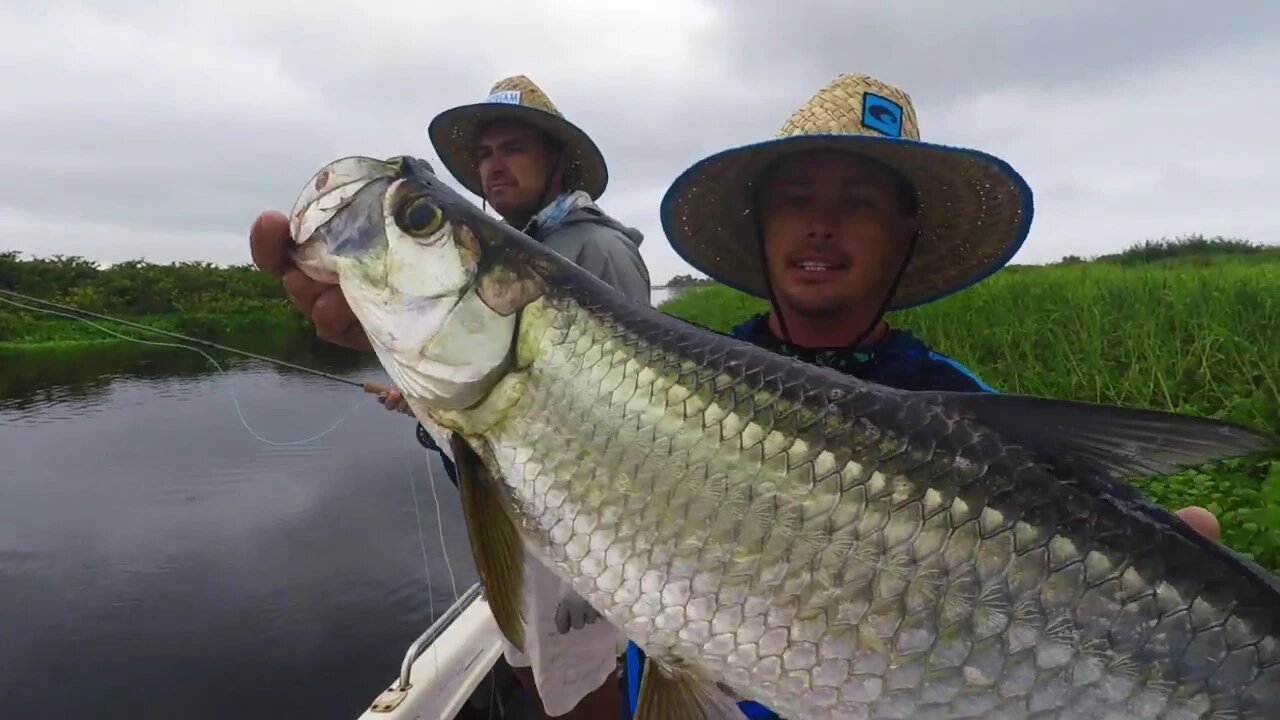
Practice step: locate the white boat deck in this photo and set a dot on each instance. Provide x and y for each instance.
(454, 671)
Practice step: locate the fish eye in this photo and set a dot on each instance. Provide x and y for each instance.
(419, 217)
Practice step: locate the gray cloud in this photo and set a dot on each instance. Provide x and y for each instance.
(945, 51)
(159, 131)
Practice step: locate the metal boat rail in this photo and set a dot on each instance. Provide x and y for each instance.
(424, 640)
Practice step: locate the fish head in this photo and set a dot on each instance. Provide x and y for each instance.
(409, 254)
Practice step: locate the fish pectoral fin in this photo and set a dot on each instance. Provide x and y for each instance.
(1121, 442)
(508, 284)
(667, 694)
(495, 542)
(573, 611)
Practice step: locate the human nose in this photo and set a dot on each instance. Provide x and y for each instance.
(822, 224)
(492, 168)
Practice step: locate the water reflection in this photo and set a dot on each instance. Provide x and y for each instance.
(80, 372)
(156, 560)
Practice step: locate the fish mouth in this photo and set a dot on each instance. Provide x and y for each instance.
(341, 207)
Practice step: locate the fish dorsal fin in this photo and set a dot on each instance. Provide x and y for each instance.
(495, 542)
(1120, 442)
(1101, 445)
(668, 694)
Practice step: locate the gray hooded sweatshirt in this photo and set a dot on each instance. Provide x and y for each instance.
(602, 246)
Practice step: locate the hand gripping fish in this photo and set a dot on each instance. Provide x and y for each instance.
(828, 547)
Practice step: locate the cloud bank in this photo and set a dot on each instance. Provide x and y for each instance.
(132, 129)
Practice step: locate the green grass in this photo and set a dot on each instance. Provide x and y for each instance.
(1194, 335)
(37, 331)
(192, 298)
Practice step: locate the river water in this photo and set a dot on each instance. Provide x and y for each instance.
(158, 561)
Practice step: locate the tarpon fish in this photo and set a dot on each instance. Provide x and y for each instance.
(771, 530)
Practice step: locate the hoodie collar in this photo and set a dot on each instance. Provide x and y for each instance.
(555, 211)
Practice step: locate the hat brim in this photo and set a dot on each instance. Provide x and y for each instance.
(975, 212)
(453, 134)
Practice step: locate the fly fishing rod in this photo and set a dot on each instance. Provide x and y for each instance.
(196, 341)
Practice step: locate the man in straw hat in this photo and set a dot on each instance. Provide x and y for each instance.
(542, 174)
(845, 216)
(516, 151)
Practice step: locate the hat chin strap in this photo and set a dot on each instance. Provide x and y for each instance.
(547, 195)
(875, 320)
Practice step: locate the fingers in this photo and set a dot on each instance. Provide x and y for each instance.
(334, 321)
(377, 388)
(389, 397)
(1202, 521)
(269, 242)
(573, 612)
(353, 339)
(393, 400)
(327, 309)
(397, 402)
(304, 292)
(322, 303)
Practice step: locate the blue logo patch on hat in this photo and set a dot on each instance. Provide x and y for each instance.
(505, 97)
(881, 114)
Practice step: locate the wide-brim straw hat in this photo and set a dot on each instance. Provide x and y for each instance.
(974, 209)
(453, 133)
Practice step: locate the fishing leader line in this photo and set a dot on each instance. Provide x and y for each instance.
(431, 479)
(234, 398)
(179, 336)
(444, 547)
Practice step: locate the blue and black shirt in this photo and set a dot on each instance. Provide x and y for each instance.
(899, 360)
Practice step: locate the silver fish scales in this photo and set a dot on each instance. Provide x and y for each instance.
(827, 547)
(888, 561)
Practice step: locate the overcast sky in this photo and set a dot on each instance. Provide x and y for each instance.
(136, 129)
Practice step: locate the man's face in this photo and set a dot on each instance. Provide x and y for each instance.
(834, 233)
(515, 165)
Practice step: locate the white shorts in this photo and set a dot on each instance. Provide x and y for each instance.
(566, 667)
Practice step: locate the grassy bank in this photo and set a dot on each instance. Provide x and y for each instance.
(37, 331)
(1193, 335)
(197, 299)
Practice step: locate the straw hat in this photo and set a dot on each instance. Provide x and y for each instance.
(975, 210)
(453, 133)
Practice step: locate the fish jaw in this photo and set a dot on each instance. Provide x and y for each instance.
(441, 355)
